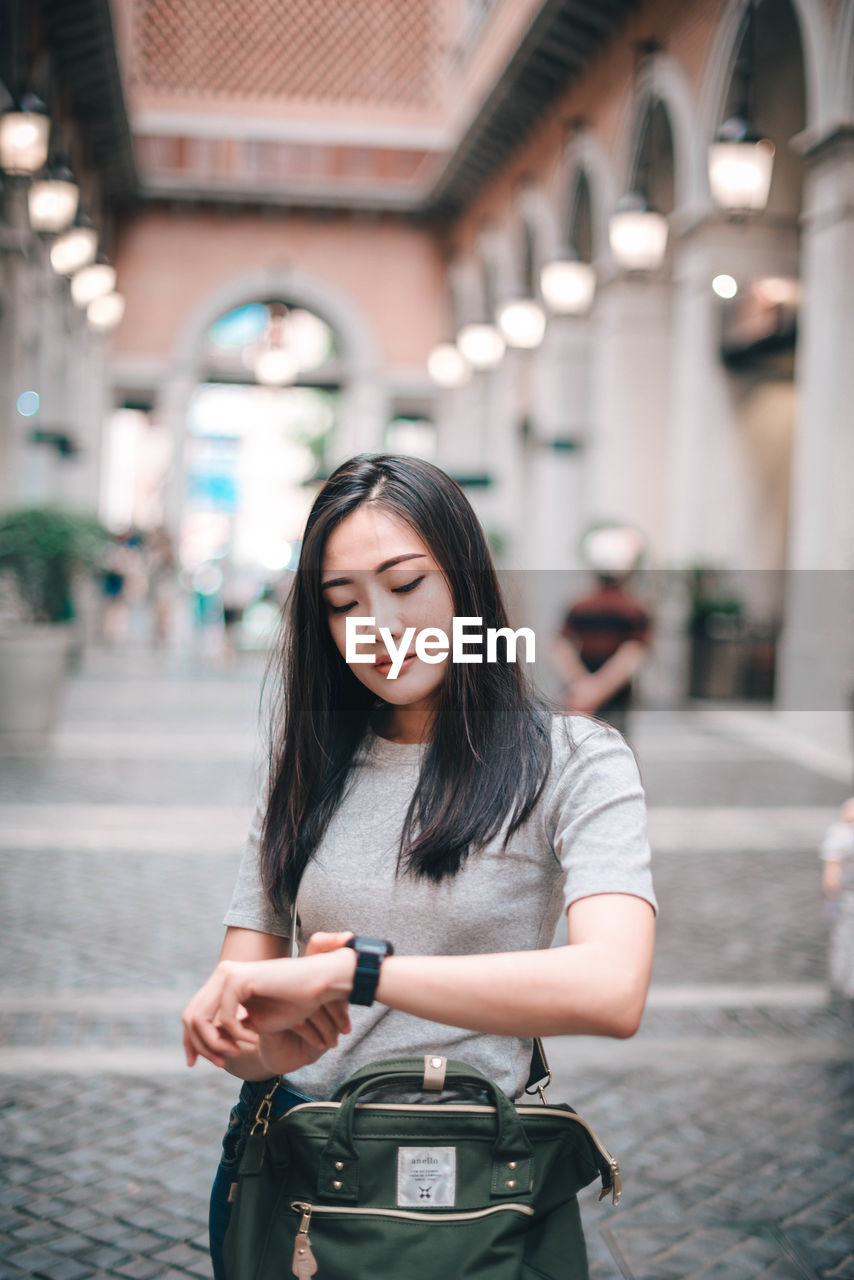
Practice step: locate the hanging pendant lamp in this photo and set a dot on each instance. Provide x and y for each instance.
(637, 234)
(568, 284)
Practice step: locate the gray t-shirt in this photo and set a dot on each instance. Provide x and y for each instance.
(586, 835)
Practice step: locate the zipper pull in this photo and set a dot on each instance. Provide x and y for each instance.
(305, 1263)
(615, 1187)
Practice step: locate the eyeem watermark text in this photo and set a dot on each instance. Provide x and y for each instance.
(431, 644)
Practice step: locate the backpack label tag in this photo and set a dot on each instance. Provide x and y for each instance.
(426, 1177)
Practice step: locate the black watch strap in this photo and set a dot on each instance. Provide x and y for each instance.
(370, 953)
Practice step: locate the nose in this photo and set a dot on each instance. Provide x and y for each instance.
(388, 611)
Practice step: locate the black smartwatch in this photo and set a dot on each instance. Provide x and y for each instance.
(370, 953)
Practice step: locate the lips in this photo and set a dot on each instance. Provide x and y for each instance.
(384, 663)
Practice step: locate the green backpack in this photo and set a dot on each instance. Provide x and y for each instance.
(374, 1190)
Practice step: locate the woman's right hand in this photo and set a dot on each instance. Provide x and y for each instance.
(245, 1000)
(284, 1051)
(280, 1052)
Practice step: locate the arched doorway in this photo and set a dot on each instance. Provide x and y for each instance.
(734, 402)
(334, 403)
(257, 429)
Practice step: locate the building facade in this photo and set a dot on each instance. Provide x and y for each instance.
(399, 171)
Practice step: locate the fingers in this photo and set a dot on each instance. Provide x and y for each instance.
(319, 942)
(205, 1034)
(316, 1035)
(189, 1051)
(339, 1011)
(197, 1019)
(321, 1030)
(203, 1039)
(232, 1017)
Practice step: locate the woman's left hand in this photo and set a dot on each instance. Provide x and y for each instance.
(243, 1001)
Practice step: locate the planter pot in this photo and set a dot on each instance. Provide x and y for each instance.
(33, 663)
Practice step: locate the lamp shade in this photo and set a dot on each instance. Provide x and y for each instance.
(105, 314)
(481, 345)
(568, 286)
(52, 202)
(92, 282)
(613, 548)
(740, 167)
(447, 367)
(75, 248)
(637, 234)
(522, 322)
(276, 366)
(24, 137)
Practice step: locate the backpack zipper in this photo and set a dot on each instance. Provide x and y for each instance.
(305, 1263)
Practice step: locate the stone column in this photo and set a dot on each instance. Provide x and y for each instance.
(52, 378)
(628, 435)
(501, 506)
(19, 483)
(817, 670)
(363, 416)
(555, 499)
(9, 421)
(171, 411)
(460, 428)
(86, 409)
(559, 417)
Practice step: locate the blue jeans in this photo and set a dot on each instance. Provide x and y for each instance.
(239, 1123)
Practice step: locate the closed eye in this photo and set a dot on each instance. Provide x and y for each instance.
(401, 590)
(407, 586)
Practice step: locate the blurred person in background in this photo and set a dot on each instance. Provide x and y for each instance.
(162, 583)
(605, 635)
(837, 855)
(239, 590)
(123, 584)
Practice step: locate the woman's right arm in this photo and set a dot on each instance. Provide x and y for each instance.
(250, 944)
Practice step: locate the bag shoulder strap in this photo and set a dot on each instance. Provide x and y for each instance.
(540, 1075)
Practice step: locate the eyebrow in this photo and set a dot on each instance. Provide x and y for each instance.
(381, 568)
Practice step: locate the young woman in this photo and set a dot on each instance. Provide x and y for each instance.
(443, 808)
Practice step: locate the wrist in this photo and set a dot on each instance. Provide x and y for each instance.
(370, 954)
(341, 971)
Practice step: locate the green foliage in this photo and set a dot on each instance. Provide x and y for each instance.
(498, 541)
(42, 549)
(714, 609)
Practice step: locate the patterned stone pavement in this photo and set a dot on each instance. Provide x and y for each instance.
(732, 1111)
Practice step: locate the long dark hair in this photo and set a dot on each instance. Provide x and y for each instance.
(490, 751)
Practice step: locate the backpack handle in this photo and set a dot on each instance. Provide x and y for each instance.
(339, 1164)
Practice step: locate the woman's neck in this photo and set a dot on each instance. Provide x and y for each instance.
(404, 724)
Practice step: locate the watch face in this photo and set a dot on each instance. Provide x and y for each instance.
(371, 946)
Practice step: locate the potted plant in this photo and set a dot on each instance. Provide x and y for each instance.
(42, 552)
(715, 626)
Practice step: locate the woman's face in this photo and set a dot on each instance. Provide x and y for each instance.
(376, 566)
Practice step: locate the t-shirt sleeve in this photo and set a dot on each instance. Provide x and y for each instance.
(250, 907)
(838, 842)
(640, 628)
(597, 817)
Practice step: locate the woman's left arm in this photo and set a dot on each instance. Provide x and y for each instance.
(595, 986)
